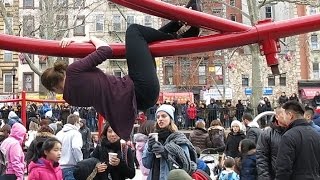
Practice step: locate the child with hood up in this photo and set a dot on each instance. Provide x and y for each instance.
(13, 118)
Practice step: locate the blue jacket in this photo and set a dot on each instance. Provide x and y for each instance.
(315, 127)
(147, 161)
(249, 168)
(316, 119)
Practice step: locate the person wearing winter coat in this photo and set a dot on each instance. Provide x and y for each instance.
(86, 139)
(13, 118)
(253, 131)
(283, 99)
(45, 164)
(192, 115)
(268, 145)
(115, 168)
(4, 132)
(248, 167)
(140, 140)
(233, 139)
(44, 133)
(34, 124)
(298, 156)
(200, 137)
(217, 137)
(171, 150)
(15, 155)
(71, 139)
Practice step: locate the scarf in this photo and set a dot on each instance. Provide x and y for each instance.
(116, 147)
(176, 155)
(163, 134)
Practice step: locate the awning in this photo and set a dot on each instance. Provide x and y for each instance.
(308, 93)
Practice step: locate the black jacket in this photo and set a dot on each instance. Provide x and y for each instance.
(253, 133)
(232, 144)
(124, 170)
(299, 156)
(267, 150)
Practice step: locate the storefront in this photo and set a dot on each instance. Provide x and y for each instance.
(307, 90)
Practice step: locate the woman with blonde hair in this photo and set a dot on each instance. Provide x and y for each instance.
(170, 149)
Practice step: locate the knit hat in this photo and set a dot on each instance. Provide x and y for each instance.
(178, 174)
(168, 109)
(54, 127)
(236, 122)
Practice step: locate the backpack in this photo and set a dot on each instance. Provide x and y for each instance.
(217, 137)
(200, 175)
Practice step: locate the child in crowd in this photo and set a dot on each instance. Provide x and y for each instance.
(228, 173)
(248, 166)
(45, 165)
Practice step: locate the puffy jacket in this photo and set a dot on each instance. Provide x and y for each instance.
(192, 112)
(12, 145)
(200, 138)
(316, 119)
(267, 150)
(44, 170)
(253, 131)
(299, 156)
(232, 144)
(248, 167)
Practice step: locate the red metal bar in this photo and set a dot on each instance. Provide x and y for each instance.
(10, 100)
(273, 30)
(180, 13)
(100, 124)
(24, 109)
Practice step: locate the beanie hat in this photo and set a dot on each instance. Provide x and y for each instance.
(236, 123)
(178, 174)
(168, 109)
(54, 127)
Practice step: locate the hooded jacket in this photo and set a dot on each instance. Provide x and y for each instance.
(71, 152)
(44, 170)
(253, 131)
(267, 150)
(15, 155)
(13, 118)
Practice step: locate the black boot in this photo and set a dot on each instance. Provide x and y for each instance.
(191, 32)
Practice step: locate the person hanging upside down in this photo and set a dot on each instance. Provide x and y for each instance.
(116, 98)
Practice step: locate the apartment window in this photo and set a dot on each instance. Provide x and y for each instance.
(117, 73)
(202, 74)
(28, 82)
(232, 2)
(117, 23)
(28, 26)
(313, 10)
(8, 3)
(7, 56)
(316, 70)
(79, 3)
(130, 20)
(23, 58)
(218, 74)
(245, 80)
(8, 28)
(168, 70)
(314, 41)
(233, 17)
(283, 79)
(7, 82)
(28, 4)
(217, 12)
(99, 22)
(271, 80)
(62, 21)
(79, 30)
(62, 3)
(268, 12)
(148, 21)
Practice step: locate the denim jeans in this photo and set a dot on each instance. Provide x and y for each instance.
(68, 173)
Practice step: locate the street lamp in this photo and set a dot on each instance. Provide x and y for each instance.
(13, 73)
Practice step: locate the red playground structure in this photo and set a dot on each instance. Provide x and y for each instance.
(232, 34)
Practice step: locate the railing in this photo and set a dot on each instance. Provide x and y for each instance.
(24, 101)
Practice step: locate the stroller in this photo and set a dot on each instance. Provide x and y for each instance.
(212, 158)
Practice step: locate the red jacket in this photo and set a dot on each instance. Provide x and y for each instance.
(44, 170)
(192, 112)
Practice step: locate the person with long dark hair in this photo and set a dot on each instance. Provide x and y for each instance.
(44, 165)
(248, 160)
(115, 98)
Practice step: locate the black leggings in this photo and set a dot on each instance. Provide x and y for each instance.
(141, 64)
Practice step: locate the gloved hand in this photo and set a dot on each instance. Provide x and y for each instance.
(158, 148)
(151, 142)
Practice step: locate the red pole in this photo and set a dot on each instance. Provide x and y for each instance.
(100, 124)
(24, 109)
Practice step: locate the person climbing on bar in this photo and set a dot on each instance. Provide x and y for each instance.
(116, 98)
